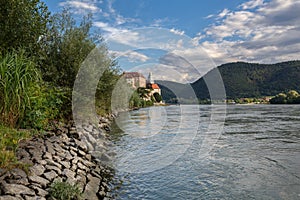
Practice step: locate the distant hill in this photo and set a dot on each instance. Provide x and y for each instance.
(241, 80)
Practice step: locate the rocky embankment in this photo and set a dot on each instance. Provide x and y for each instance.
(70, 154)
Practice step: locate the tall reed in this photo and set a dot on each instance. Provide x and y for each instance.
(18, 75)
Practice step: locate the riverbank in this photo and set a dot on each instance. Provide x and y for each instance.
(66, 154)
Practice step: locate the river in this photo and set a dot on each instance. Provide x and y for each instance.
(208, 152)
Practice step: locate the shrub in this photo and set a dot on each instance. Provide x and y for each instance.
(64, 191)
(47, 103)
(18, 75)
(157, 97)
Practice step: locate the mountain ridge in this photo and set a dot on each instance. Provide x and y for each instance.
(241, 79)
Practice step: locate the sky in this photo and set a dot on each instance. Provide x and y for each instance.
(192, 36)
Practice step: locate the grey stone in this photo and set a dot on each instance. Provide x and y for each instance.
(92, 187)
(104, 157)
(81, 153)
(39, 191)
(91, 139)
(81, 145)
(81, 180)
(65, 164)
(27, 161)
(102, 193)
(50, 167)
(64, 138)
(8, 197)
(37, 179)
(15, 189)
(56, 159)
(49, 147)
(22, 181)
(34, 198)
(50, 175)
(47, 155)
(69, 174)
(95, 174)
(58, 148)
(88, 163)
(51, 162)
(42, 162)
(81, 166)
(22, 153)
(89, 128)
(73, 153)
(37, 169)
(67, 155)
(81, 172)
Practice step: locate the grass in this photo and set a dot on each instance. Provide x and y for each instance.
(64, 191)
(9, 140)
(18, 75)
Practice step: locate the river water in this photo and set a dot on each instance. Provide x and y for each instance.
(208, 152)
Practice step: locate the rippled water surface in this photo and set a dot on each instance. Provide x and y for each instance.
(185, 152)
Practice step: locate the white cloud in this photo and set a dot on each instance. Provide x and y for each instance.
(252, 4)
(81, 6)
(112, 14)
(159, 22)
(118, 35)
(224, 13)
(177, 32)
(270, 33)
(132, 56)
(209, 16)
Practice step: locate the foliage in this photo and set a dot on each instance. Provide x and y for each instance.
(64, 191)
(157, 97)
(22, 23)
(65, 47)
(135, 101)
(106, 86)
(291, 97)
(241, 80)
(47, 103)
(18, 75)
(9, 139)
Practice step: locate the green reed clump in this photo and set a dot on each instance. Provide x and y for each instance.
(18, 75)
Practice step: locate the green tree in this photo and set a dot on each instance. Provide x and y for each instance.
(23, 23)
(157, 97)
(66, 45)
(280, 98)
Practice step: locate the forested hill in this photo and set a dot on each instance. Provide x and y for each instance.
(245, 80)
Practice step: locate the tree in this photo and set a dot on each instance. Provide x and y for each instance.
(66, 45)
(157, 97)
(22, 23)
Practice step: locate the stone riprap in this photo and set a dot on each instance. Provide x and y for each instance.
(71, 154)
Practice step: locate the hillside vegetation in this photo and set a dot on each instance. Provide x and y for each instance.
(241, 80)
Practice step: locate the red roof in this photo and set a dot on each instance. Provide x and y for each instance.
(132, 74)
(154, 86)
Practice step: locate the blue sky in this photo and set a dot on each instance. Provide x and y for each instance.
(263, 31)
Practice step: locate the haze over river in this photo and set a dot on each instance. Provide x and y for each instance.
(206, 152)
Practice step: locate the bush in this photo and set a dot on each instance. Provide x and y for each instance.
(18, 75)
(47, 103)
(157, 97)
(64, 191)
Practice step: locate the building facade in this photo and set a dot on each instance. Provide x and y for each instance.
(135, 79)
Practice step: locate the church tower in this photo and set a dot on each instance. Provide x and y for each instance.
(150, 80)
